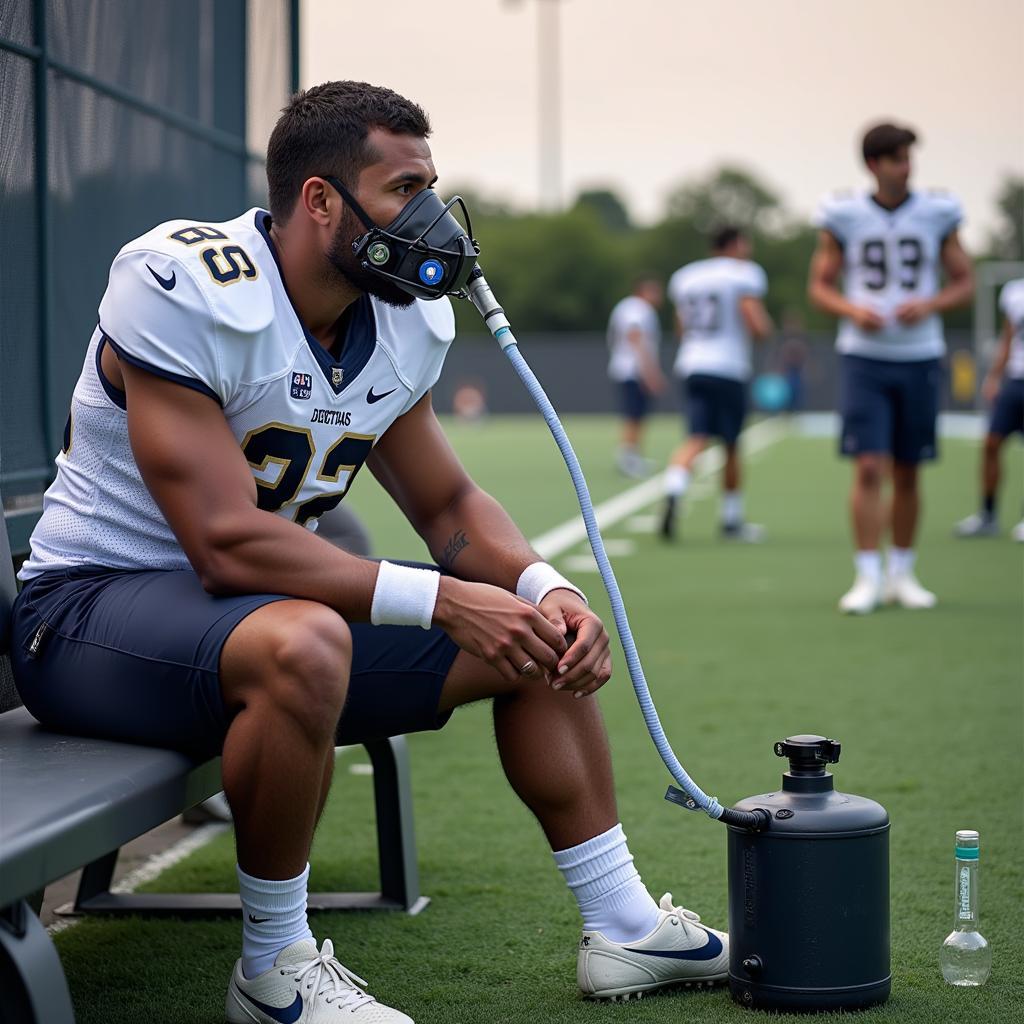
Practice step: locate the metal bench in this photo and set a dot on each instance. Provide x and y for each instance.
(67, 802)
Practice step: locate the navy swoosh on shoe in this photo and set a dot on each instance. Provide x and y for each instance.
(284, 1014)
(708, 951)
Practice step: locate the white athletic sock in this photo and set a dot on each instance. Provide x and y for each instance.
(901, 560)
(869, 564)
(732, 508)
(611, 896)
(273, 917)
(677, 479)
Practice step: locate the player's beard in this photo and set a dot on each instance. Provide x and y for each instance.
(342, 260)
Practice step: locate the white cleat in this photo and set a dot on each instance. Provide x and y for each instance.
(305, 986)
(905, 590)
(679, 951)
(1017, 533)
(743, 533)
(976, 525)
(862, 598)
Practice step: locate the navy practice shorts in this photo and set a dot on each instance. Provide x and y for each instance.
(715, 406)
(135, 655)
(889, 407)
(635, 400)
(1008, 412)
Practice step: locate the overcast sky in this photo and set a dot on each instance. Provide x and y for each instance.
(655, 91)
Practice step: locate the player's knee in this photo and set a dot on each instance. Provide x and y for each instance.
(310, 659)
(993, 442)
(904, 478)
(870, 470)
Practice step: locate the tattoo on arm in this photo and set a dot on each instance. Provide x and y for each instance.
(457, 543)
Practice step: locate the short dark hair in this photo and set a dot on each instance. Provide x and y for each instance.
(323, 130)
(724, 236)
(884, 140)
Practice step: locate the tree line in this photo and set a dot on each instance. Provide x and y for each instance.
(564, 271)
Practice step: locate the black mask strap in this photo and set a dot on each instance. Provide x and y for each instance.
(350, 200)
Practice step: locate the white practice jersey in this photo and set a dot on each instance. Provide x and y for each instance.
(631, 313)
(205, 305)
(707, 297)
(1011, 303)
(890, 257)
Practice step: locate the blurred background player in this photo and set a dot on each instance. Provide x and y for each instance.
(1004, 389)
(633, 337)
(719, 309)
(889, 247)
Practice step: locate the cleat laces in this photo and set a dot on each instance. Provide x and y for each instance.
(328, 977)
(681, 914)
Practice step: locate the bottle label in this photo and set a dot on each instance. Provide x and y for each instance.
(965, 894)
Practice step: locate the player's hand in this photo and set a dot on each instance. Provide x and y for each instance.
(500, 628)
(587, 665)
(913, 312)
(655, 383)
(867, 319)
(990, 388)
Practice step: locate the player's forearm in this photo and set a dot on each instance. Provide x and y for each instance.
(957, 293)
(475, 539)
(256, 552)
(829, 299)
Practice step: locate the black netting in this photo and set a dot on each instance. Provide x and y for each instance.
(136, 170)
(114, 171)
(187, 56)
(16, 22)
(8, 693)
(21, 443)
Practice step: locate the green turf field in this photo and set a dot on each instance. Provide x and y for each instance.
(741, 646)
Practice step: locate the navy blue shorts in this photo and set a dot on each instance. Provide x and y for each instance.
(889, 407)
(135, 656)
(635, 400)
(715, 406)
(1008, 412)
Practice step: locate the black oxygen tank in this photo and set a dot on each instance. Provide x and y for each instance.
(809, 894)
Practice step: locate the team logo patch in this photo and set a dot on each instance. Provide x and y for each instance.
(337, 376)
(302, 385)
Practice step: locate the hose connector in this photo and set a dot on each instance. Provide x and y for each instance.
(487, 306)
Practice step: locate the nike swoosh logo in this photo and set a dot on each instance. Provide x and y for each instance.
(282, 1014)
(371, 397)
(167, 283)
(711, 949)
(258, 920)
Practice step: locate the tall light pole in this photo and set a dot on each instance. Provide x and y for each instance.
(549, 102)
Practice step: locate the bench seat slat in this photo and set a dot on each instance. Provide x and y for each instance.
(65, 802)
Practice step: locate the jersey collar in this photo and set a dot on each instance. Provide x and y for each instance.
(360, 325)
(890, 210)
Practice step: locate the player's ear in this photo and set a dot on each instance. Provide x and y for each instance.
(318, 199)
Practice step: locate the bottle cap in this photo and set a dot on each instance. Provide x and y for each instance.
(967, 844)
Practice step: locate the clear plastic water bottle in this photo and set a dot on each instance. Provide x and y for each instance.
(965, 957)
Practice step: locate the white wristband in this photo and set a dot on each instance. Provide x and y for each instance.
(539, 579)
(404, 596)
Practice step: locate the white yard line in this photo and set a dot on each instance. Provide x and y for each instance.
(550, 544)
(553, 542)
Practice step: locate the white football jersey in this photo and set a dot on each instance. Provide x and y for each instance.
(629, 314)
(889, 257)
(1011, 303)
(205, 305)
(707, 297)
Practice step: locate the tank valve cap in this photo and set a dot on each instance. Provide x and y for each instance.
(752, 964)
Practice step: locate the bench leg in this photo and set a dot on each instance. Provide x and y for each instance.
(95, 880)
(396, 835)
(396, 851)
(32, 980)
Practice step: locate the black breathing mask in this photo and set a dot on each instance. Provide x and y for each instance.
(424, 250)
